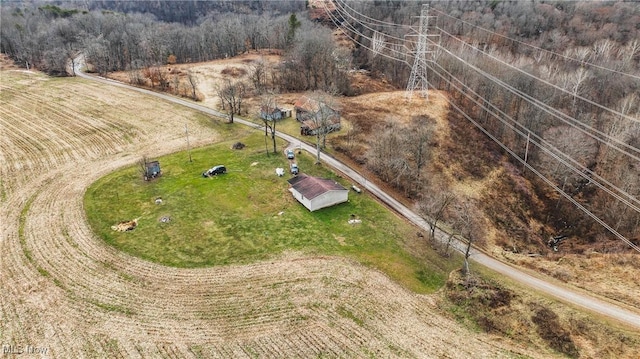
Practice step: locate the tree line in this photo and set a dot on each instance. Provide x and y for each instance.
(565, 73)
(48, 37)
(142, 36)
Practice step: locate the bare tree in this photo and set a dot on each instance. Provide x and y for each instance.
(259, 75)
(433, 208)
(386, 155)
(470, 228)
(267, 107)
(568, 141)
(417, 142)
(192, 79)
(142, 167)
(231, 95)
(323, 118)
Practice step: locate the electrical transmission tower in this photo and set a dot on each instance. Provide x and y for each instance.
(427, 44)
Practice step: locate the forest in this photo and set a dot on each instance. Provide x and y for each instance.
(554, 84)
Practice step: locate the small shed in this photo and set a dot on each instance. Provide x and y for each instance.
(315, 193)
(152, 169)
(274, 113)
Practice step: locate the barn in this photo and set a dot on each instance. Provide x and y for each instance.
(309, 113)
(315, 193)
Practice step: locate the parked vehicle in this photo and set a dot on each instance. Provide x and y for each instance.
(294, 168)
(213, 171)
(290, 154)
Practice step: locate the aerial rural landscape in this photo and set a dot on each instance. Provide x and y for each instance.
(319, 179)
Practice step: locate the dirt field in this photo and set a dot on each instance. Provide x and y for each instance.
(66, 292)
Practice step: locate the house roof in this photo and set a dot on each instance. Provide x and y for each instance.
(152, 164)
(307, 104)
(312, 187)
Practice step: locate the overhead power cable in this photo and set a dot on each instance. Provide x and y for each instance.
(604, 108)
(571, 121)
(521, 130)
(545, 146)
(338, 24)
(343, 5)
(568, 58)
(540, 175)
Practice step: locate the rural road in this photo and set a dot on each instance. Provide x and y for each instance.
(546, 287)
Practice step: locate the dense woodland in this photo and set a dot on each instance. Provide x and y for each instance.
(563, 74)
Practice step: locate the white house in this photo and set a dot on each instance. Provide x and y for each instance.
(315, 193)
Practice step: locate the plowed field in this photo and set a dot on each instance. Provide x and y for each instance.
(64, 292)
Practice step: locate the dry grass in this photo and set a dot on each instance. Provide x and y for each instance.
(65, 290)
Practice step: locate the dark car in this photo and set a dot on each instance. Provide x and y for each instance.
(217, 170)
(290, 154)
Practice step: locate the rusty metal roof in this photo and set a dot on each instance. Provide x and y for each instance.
(311, 187)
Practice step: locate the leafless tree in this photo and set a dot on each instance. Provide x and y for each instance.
(142, 167)
(433, 207)
(231, 96)
(323, 117)
(258, 75)
(470, 228)
(192, 79)
(417, 143)
(267, 106)
(565, 140)
(386, 155)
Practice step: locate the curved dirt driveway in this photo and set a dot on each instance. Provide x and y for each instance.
(66, 292)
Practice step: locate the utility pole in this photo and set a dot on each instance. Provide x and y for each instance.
(186, 131)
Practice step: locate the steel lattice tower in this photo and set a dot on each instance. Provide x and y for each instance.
(425, 51)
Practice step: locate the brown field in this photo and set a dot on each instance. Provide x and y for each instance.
(66, 291)
(63, 289)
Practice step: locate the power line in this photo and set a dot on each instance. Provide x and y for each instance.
(542, 80)
(571, 121)
(527, 165)
(546, 147)
(542, 144)
(402, 55)
(581, 62)
(337, 23)
(544, 178)
(550, 110)
(379, 22)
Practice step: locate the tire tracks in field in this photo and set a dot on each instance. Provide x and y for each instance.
(67, 290)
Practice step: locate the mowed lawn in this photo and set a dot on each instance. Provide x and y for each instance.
(248, 214)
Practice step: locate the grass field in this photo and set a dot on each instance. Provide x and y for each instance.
(248, 214)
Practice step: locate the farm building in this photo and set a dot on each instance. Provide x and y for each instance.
(274, 113)
(315, 193)
(310, 128)
(315, 116)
